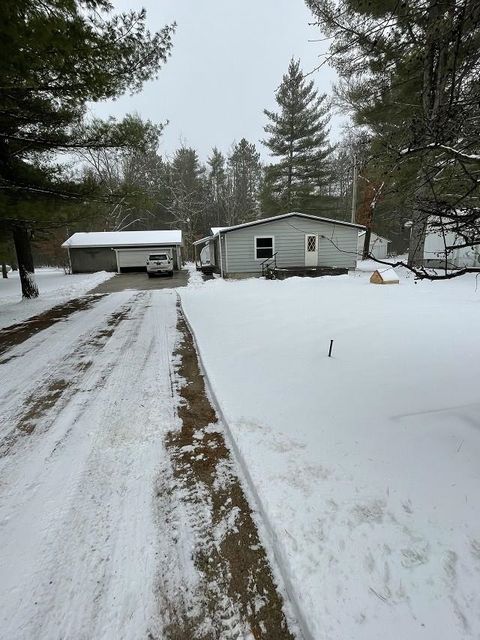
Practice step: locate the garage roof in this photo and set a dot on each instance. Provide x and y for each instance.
(124, 239)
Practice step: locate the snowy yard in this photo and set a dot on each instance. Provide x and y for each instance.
(122, 516)
(55, 288)
(366, 464)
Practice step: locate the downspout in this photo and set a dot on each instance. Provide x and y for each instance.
(226, 252)
(221, 255)
(116, 258)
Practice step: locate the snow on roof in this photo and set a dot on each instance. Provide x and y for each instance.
(153, 238)
(388, 274)
(203, 240)
(362, 233)
(282, 216)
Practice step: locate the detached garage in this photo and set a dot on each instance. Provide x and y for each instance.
(120, 250)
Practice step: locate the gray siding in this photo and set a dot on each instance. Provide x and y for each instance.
(337, 246)
(89, 260)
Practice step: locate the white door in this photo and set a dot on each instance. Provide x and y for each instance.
(311, 250)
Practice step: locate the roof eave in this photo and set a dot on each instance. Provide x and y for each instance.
(288, 215)
(203, 240)
(125, 246)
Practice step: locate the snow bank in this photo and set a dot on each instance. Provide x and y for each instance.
(195, 278)
(366, 464)
(55, 287)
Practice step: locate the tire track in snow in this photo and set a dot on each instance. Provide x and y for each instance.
(34, 362)
(39, 409)
(18, 333)
(80, 550)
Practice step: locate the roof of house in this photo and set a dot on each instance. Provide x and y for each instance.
(216, 230)
(203, 240)
(153, 238)
(307, 216)
(362, 233)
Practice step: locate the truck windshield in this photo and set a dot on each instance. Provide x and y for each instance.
(158, 256)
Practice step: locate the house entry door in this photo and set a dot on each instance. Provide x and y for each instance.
(311, 250)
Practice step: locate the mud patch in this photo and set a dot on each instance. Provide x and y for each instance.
(18, 333)
(237, 596)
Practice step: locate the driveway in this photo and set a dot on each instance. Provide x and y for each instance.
(141, 282)
(121, 513)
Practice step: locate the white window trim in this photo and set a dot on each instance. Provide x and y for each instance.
(255, 247)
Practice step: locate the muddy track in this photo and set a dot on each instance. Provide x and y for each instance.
(37, 411)
(238, 593)
(18, 333)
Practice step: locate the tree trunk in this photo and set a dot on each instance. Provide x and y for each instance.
(366, 244)
(4, 270)
(417, 240)
(26, 269)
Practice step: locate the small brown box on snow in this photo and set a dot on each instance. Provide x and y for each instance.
(384, 276)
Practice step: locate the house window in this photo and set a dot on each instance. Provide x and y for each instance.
(311, 243)
(264, 247)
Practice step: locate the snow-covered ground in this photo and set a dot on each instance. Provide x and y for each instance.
(365, 464)
(55, 288)
(85, 406)
(104, 527)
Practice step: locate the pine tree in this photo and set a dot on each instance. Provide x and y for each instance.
(58, 55)
(217, 189)
(298, 137)
(187, 194)
(244, 173)
(409, 75)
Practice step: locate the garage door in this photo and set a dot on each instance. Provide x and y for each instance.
(132, 259)
(137, 258)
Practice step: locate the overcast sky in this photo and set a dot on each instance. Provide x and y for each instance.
(228, 58)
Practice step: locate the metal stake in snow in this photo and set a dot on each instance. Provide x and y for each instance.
(330, 350)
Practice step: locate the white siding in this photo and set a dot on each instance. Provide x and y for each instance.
(378, 246)
(434, 251)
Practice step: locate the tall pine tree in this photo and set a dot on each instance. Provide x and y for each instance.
(217, 189)
(298, 138)
(187, 194)
(244, 171)
(57, 56)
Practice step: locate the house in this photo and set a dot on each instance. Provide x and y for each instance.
(120, 250)
(378, 245)
(291, 240)
(385, 276)
(436, 254)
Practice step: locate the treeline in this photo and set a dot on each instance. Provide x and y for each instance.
(408, 78)
(119, 181)
(139, 189)
(61, 172)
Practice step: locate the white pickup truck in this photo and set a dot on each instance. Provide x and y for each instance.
(159, 264)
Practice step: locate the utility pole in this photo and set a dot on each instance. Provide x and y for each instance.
(354, 188)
